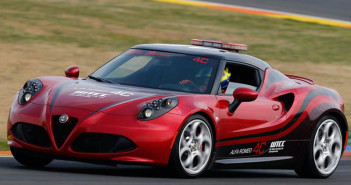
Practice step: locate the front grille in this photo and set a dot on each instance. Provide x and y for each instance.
(32, 134)
(62, 130)
(102, 143)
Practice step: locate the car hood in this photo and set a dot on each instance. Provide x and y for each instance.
(98, 96)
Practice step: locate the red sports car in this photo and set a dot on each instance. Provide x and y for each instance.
(188, 107)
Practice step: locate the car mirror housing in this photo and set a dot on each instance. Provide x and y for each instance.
(242, 94)
(72, 72)
(245, 94)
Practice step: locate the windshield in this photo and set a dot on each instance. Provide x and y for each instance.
(160, 70)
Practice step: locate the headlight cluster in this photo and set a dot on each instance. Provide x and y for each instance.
(29, 89)
(157, 108)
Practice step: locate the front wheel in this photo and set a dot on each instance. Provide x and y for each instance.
(325, 150)
(193, 149)
(29, 159)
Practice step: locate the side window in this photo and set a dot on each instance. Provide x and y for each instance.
(235, 76)
(275, 77)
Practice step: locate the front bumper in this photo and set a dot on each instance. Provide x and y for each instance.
(153, 139)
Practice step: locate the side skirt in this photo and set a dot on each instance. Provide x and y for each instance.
(278, 162)
(252, 160)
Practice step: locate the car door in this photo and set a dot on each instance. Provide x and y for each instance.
(252, 122)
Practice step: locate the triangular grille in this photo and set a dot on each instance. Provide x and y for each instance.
(62, 130)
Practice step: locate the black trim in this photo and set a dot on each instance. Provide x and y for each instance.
(115, 104)
(57, 92)
(288, 163)
(206, 52)
(305, 129)
(253, 160)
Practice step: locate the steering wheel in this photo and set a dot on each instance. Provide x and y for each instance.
(190, 84)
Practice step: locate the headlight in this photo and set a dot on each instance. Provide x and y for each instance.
(30, 88)
(157, 108)
(27, 97)
(147, 113)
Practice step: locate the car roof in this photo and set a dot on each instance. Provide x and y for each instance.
(207, 52)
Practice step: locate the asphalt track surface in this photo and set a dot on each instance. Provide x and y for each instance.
(74, 173)
(332, 9)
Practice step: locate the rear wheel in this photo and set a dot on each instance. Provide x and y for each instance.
(324, 151)
(193, 148)
(30, 159)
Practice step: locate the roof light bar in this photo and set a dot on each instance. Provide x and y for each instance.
(221, 45)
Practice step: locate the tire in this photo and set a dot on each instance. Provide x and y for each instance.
(192, 152)
(324, 150)
(30, 159)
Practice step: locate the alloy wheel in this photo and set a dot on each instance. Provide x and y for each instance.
(327, 147)
(195, 146)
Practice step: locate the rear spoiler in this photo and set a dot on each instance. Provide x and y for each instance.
(301, 80)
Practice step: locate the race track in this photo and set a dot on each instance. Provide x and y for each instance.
(335, 9)
(68, 173)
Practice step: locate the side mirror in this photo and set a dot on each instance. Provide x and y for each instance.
(245, 94)
(242, 94)
(72, 72)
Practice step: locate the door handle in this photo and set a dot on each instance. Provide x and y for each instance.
(275, 107)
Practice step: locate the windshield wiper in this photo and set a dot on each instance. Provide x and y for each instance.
(99, 79)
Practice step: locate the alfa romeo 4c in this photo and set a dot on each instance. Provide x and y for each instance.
(188, 107)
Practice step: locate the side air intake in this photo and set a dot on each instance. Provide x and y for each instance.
(32, 134)
(288, 100)
(102, 143)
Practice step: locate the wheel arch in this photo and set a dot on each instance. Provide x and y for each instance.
(343, 123)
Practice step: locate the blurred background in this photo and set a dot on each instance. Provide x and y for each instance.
(43, 37)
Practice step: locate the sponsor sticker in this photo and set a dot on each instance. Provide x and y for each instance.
(98, 93)
(241, 151)
(260, 148)
(88, 94)
(201, 60)
(276, 146)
